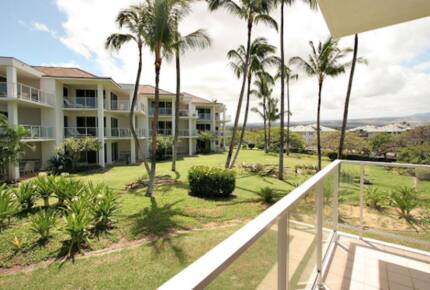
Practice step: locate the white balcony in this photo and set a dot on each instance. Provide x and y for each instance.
(35, 132)
(187, 133)
(80, 102)
(204, 116)
(26, 93)
(124, 105)
(162, 111)
(77, 132)
(297, 243)
(123, 133)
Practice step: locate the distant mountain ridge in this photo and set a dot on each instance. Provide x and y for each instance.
(414, 120)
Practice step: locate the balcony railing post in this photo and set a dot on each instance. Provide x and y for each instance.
(361, 200)
(319, 224)
(283, 253)
(336, 174)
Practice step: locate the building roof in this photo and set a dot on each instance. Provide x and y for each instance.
(65, 72)
(390, 128)
(150, 90)
(310, 128)
(197, 100)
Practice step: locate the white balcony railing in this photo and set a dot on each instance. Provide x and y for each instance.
(204, 116)
(80, 102)
(27, 93)
(80, 132)
(162, 111)
(162, 132)
(308, 218)
(38, 132)
(124, 132)
(120, 105)
(187, 133)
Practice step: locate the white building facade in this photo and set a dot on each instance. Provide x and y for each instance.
(55, 103)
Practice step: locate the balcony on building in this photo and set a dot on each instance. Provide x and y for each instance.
(79, 98)
(165, 108)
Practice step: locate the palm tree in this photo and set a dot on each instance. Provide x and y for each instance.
(289, 75)
(324, 61)
(252, 11)
(132, 19)
(160, 32)
(272, 114)
(348, 95)
(313, 5)
(263, 90)
(194, 40)
(260, 58)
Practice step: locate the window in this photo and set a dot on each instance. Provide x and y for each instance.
(86, 93)
(203, 127)
(65, 92)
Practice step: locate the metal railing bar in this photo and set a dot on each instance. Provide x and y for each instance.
(386, 164)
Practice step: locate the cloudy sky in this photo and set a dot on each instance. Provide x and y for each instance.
(72, 33)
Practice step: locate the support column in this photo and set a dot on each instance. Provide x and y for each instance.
(12, 111)
(213, 125)
(223, 129)
(190, 139)
(109, 152)
(108, 103)
(100, 126)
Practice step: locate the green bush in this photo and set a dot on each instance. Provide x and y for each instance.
(65, 189)
(77, 227)
(405, 199)
(43, 222)
(26, 195)
(267, 194)
(104, 206)
(45, 187)
(211, 182)
(419, 154)
(8, 205)
(332, 155)
(375, 198)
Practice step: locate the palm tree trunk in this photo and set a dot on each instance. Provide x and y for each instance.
(133, 104)
(288, 116)
(281, 135)
(348, 95)
(269, 137)
(245, 120)
(154, 126)
(242, 90)
(320, 83)
(265, 124)
(178, 92)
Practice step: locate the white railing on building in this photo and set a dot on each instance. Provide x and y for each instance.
(25, 92)
(321, 192)
(38, 132)
(162, 111)
(162, 132)
(187, 133)
(80, 132)
(204, 116)
(80, 102)
(120, 105)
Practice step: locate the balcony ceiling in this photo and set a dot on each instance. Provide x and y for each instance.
(347, 17)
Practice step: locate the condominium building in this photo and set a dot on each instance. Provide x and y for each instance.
(54, 103)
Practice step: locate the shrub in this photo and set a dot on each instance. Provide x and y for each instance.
(375, 198)
(267, 194)
(419, 154)
(77, 225)
(251, 146)
(332, 155)
(60, 163)
(104, 208)
(8, 205)
(26, 195)
(45, 186)
(211, 182)
(17, 244)
(43, 222)
(406, 200)
(65, 189)
(164, 147)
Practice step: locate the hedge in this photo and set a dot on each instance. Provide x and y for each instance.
(211, 182)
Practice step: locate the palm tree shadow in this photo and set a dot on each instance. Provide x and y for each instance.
(157, 220)
(159, 246)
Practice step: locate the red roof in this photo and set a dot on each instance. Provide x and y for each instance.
(150, 90)
(68, 72)
(197, 100)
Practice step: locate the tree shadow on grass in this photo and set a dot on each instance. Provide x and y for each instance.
(157, 220)
(161, 245)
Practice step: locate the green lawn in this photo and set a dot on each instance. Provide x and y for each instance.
(172, 209)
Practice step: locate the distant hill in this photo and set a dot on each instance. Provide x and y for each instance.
(414, 120)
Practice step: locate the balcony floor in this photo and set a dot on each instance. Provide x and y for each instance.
(358, 264)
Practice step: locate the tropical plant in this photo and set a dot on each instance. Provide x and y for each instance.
(206, 137)
(65, 189)
(260, 57)
(160, 32)
(75, 146)
(375, 198)
(348, 94)
(11, 146)
(211, 182)
(164, 147)
(324, 61)
(26, 195)
(263, 90)
(197, 39)
(382, 143)
(43, 222)
(133, 19)
(60, 162)
(285, 75)
(8, 205)
(45, 188)
(104, 209)
(266, 194)
(17, 244)
(418, 154)
(253, 12)
(405, 199)
(77, 226)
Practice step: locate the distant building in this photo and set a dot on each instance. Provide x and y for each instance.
(308, 132)
(371, 130)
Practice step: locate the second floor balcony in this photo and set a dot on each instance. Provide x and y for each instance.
(80, 102)
(123, 132)
(124, 105)
(204, 116)
(38, 132)
(77, 132)
(26, 93)
(162, 111)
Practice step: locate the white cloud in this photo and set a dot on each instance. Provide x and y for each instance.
(43, 28)
(70, 63)
(386, 86)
